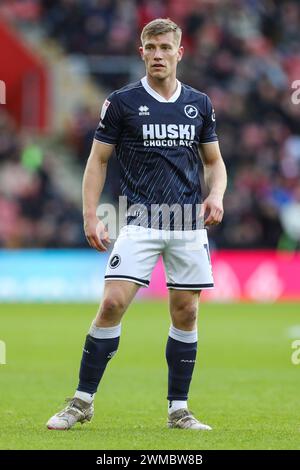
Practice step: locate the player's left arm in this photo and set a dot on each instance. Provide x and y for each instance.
(215, 178)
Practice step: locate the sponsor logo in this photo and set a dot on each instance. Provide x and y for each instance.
(168, 135)
(170, 131)
(190, 111)
(115, 261)
(144, 111)
(213, 116)
(111, 354)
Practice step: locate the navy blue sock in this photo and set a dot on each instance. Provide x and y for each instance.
(181, 359)
(96, 354)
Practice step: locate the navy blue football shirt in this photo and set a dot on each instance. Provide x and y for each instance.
(157, 146)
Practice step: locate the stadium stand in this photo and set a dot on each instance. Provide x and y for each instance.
(243, 54)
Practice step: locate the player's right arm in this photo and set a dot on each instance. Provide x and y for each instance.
(92, 187)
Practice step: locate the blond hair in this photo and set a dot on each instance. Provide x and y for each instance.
(161, 26)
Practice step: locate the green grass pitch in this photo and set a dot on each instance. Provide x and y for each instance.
(245, 385)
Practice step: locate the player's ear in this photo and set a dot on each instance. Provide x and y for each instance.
(180, 53)
(141, 52)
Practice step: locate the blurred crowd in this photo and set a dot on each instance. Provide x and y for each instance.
(246, 58)
(36, 208)
(243, 53)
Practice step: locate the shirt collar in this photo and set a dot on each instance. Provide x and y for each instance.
(157, 96)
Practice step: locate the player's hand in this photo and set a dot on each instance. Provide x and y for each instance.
(212, 210)
(96, 233)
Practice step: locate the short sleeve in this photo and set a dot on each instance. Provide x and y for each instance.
(109, 127)
(208, 133)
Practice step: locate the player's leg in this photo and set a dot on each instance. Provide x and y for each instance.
(103, 338)
(181, 347)
(130, 266)
(188, 272)
(100, 346)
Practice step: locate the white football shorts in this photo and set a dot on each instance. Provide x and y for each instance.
(185, 256)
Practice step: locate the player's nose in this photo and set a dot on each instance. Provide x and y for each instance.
(157, 54)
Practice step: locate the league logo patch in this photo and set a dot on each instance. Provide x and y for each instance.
(190, 111)
(115, 261)
(104, 109)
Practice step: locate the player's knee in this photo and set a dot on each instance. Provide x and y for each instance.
(185, 317)
(112, 306)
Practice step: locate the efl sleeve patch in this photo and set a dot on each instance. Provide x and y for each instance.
(110, 125)
(104, 109)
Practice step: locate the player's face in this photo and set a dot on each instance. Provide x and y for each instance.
(161, 54)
